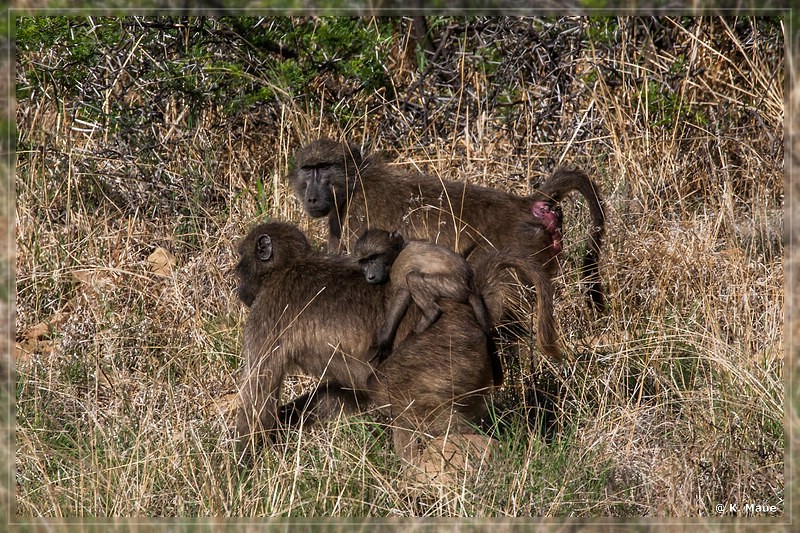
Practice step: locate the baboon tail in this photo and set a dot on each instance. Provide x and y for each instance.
(491, 276)
(557, 186)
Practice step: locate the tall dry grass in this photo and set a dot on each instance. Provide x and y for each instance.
(668, 405)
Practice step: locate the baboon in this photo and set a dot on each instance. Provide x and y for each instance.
(420, 271)
(355, 192)
(315, 314)
(491, 276)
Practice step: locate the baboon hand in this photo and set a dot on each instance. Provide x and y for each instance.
(382, 351)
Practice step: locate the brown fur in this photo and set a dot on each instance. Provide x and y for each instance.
(315, 314)
(492, 279)
(356, 193)
(422, 272)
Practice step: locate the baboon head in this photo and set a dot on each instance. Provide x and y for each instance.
(324, 171)
(266, 247)
(376, 251)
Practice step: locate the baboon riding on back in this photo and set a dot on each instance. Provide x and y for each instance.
(315, 314)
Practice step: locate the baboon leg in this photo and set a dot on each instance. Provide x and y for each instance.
(431, 287)
(255, 418)
(420, 287)
(546, 335)
(406, 443)
(398, 305)
(482, 315)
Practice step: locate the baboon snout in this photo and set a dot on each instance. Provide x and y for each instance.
(315, 206)
(375, 278)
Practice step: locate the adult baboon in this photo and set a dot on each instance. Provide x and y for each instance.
(422, 272)
(356, 193)
(315, 314)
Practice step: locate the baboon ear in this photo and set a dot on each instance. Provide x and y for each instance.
(264, 247)
(397, 238)
(355, 152)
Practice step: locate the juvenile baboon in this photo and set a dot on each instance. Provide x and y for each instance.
(355, 192)
(315, 314)
(422, 272)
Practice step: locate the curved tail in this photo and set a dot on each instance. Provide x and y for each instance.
(559, 184)
(490, 278)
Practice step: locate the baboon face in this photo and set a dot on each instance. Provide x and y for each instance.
(551, 216)
(376, 251)
(325, 171)
(315, 186)
(258, 255)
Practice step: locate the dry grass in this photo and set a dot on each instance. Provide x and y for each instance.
(670, 404)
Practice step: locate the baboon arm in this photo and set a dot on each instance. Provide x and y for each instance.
(334, 235)
(479, 308)
(397, 307)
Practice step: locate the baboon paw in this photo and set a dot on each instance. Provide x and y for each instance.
(381, 353)
(424, 323)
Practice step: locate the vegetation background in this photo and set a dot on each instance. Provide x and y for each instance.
(147, 146)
